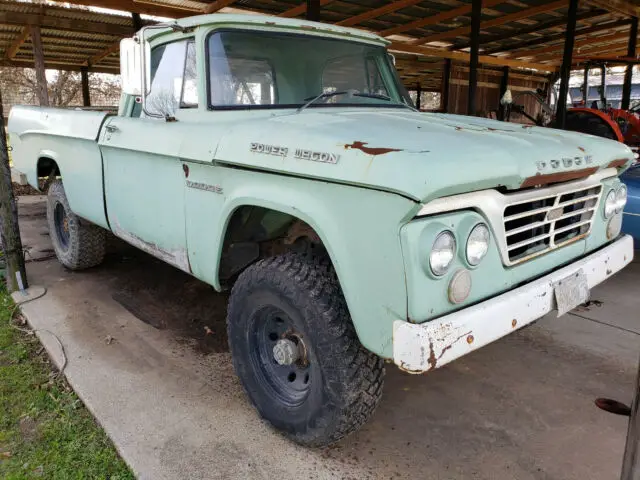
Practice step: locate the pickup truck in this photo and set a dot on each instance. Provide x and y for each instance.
(283, 160)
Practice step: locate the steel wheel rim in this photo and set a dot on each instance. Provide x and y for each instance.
(289, 384)
(61, 222)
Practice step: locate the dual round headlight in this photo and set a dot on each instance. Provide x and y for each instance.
(444, 249)
(615, 201)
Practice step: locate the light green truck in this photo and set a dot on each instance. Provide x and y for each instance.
(282, 159)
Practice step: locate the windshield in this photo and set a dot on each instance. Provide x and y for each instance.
(277, 70)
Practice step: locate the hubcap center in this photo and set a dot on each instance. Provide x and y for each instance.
(286, 352)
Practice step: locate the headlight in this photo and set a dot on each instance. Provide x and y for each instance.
(442, 253)
(621, 198)
(610, 204)
(477, 244)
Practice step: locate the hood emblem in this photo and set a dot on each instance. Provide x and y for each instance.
(567, 162)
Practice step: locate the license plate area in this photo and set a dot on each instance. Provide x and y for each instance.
(571, 291)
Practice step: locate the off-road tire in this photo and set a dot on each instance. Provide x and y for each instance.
(86, 243)
(346, 381)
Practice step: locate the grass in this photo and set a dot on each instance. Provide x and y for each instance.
(45, 430)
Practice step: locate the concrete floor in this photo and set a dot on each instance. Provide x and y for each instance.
(166, 393)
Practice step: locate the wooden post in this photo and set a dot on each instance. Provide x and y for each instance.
(585, 86)
(136, 22)
(504, 86)
(565, 69)
(38, 56)
(86, 94)
(603, 83)
(630, 465)
(476, 13)
(446, 76)
(313, 10)
(628, 74)
(9, 228)
(418, 94)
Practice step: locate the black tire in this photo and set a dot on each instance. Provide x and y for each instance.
(78, 244)
(342, 383)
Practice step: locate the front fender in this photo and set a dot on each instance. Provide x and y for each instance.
(359, 228)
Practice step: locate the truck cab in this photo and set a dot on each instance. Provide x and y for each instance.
(283, 160)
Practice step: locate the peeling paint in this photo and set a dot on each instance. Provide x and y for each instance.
(371, 150)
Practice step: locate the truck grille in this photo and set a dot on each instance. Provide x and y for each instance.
(534, 227)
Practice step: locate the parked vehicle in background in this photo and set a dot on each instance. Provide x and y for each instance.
(631, 214)
(283, 160)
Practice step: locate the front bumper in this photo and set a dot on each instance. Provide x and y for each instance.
(418, 348)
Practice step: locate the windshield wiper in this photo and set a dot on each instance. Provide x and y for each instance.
(318, 97)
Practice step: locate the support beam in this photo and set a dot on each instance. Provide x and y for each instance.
(9, 227)
(565, 70)
(16, 44)
(140, 7)
(313, 10)
(446, 78)
(435, 19)
(585, 42)
(476, 14)
(557, 36)
(38, 56)
(86, 94)
(628, 74)
(585, 85)
(603, 86)
(418, 94)
(300, 9)
(621, 6)
(98, 57)
(504, 86)
(529, 12)
(59, 65)
(46, 20)
(217, 5)
(136, 22)
(525, 30)
(377, 12)
(464, 57)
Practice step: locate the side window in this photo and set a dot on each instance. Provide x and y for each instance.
(173, 78)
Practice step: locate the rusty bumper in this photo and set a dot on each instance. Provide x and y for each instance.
(418, 348)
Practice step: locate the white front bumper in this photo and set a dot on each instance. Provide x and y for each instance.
(418, 348)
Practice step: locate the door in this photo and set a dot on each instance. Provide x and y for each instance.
(143, 174)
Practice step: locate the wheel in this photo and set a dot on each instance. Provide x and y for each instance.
(77, 244)
(296, 351)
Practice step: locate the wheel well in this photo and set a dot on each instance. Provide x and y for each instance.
(46, 167)
(254, 233)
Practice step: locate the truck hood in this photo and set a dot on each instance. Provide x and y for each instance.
(418, 155)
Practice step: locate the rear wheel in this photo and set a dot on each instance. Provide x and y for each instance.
(77, 244)
(296, 351)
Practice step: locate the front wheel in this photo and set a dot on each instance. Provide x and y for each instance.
(296, 352)
(77, 244)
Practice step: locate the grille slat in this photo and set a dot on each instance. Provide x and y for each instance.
(545, 223)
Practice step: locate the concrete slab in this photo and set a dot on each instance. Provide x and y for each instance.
(164, 389)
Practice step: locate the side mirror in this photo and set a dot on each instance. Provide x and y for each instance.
(131, 67)
(506, 99)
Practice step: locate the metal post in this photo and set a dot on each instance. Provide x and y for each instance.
(86, 94)
(9, 228)
(585, 85)
(136, 21)
(418, 94)
(603, 86)
(38, 56)
(628, 74)
(476, 13)
(313, 10)
(504, 85)
(446, 76)
(630, 467)
(565, 69)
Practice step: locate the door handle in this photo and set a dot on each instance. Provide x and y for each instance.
(111, 128)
